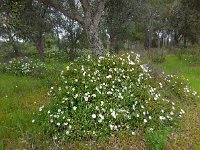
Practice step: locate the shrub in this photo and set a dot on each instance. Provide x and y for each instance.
(156, 55)
(95, 98)
(25, 66)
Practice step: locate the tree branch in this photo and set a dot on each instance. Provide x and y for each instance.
(58, 6)
(85, 5)
(99, 11)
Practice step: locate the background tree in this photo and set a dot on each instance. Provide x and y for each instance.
(88, 15)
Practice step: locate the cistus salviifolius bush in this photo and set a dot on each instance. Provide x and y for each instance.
(99, 97)
(25, 67)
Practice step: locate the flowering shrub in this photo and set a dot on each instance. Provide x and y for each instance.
(25, 66)
(100, 97)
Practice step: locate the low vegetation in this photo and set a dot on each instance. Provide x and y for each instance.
(96, 99)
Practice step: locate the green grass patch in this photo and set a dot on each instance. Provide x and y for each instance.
(19, 99)
(188, 134)
(174, 65)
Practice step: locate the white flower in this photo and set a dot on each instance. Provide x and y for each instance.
(113, 114)
(150, 117)
(70, 126)
(86, 98)
(133, 133)
(58, 124)
(101, 116)
(33, 121)
(162, 118)
(171, 113)
(67, 132)
(93, 95)
(74, 108)
(109, 92)
(111, 126)
(183, 112)
(76, 96)
(151, 129)
(40, 109)
(109, 76)
(145, 120)
(100, 120)
(67, 67)
(94, 116)
(51, 120)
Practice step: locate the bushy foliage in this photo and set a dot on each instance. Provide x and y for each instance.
(156, 55)
(56, 56)
(96, 98)
(25, 66)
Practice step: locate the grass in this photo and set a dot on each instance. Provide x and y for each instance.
(20, 97)
(173, 65)
(188, 135)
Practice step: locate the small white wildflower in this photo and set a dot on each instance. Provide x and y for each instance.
(101, 116)
(114, 114)
(109, 76)
(111, 126)
(86, 98)
(74, 108)
(67, 132)
(93, 95)
(58, 124)
(94, 116)
(133, 133)
(151, 129)
(145, 120)
(67, 67)
(162, 118)
(33, 121)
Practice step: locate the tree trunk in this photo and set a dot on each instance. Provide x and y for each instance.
(148, 33)
(15, 48)
(40, 46)
(94, 40)
(112, 44)
(184, 41)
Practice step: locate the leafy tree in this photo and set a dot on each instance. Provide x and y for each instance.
(185, 22)
(88, 14)
(119, 17)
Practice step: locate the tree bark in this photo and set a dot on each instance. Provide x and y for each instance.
(94, 40)
(148, 33)
(40, 46)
